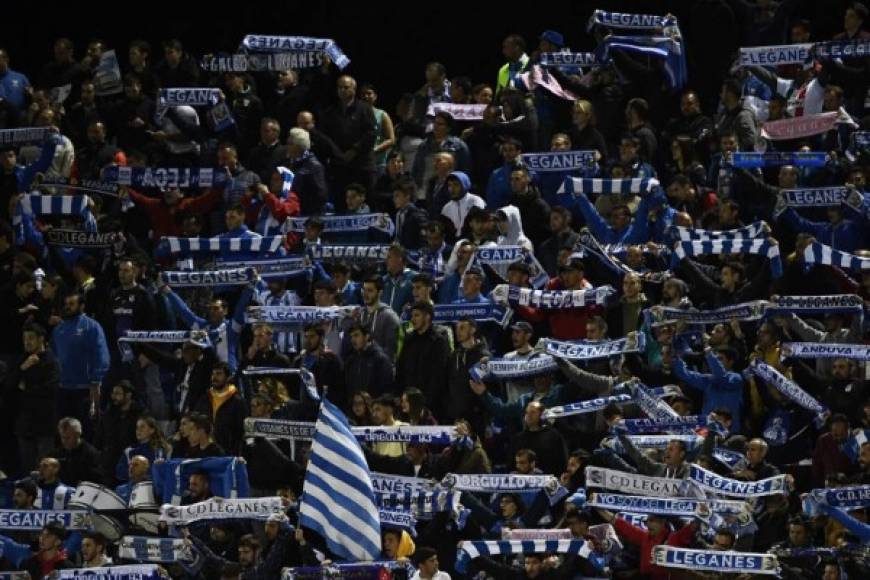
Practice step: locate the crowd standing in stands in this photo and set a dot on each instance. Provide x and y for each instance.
(629, 311)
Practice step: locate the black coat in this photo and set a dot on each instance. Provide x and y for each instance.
(36, 390)
(117, 432)
(327, 374)
(309, 183)
(412, 234)
(461, 402)
(353, 131)
(198, 382)
(423, 364)
(228, 423)
(80, 464)
(368, 370)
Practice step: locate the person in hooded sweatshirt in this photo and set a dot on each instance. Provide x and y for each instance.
(461, 199)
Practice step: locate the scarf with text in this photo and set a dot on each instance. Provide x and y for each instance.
(594, 349)
(80, 239)
(459, 111)
(552, 299)
(831, 49)
(659, 315)
(488, 312)
(505, 255)
(270, 269)
(632, 483)
(351, 253)
(711, 482)
(569, 59)
(131, 572)
(595, 405)
(747, 160)
(222, 509)
(775, 55)
(824, 350)
(24, 136)
(158, 550)
(35, 520)
(208, 278)
(507, 369)
(166, 177)
(715, 561)
(278, 61)
(296, 315)
(555, 161)
(791, 390)
(283, 44)
(346, 223)
(190, 96)
(469, 550)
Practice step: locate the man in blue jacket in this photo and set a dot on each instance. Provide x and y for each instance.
(15, 178)
(722, 388)
(81, 350)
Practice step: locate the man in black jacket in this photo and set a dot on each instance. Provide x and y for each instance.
(324, 363)
(461, 402)
(424, 358)
(79, 460)
(226, 408)
(309, 176)
(118, 426)
(351, 125)
(411, 221)
(366, 367)
(35, 381)
(192, 371)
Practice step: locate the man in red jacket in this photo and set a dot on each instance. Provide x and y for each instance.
(167, 213)
(658, 531)
(567, 323)
(266, 211)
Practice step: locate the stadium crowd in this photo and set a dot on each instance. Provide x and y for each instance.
(578, 331)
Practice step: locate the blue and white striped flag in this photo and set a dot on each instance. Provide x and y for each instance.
(338, 500)
(188, 246)
(577, 185)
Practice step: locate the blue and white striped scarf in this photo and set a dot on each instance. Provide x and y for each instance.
(296, 315)
(848, 498)
(32, 204)
(852, 446)
(423, 504)
(755, 230)
(389, 483)
(469, 550)
(507, 369)
(711, 482)
(791, 390)
(267, 225)
(24, 136)
(760, 247)
(593, 349)
(824, 350)
(187, 246)
(167, 177)
(715, 561)
(779, 158)
(818, 253)
(88, 185)
(208, 278)
(556, 161)
(346, 223)
(636, 185)
(552, 299)
(678, 424)
(131, 572)
(285, 44)
(190, 96)
(667, 48)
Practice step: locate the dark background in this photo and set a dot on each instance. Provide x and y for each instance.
(389, 43)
